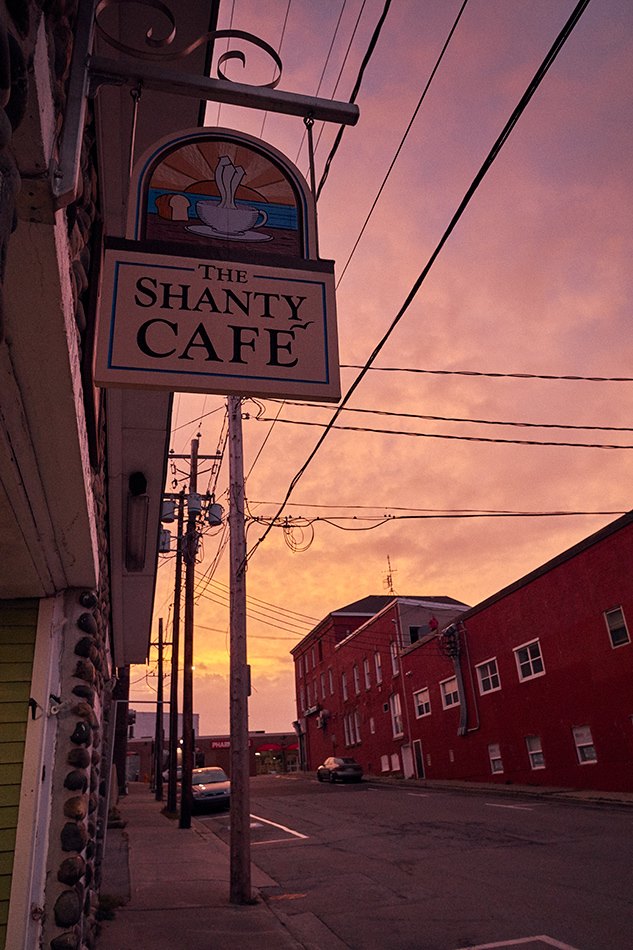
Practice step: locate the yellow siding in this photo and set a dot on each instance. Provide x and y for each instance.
(18, 623)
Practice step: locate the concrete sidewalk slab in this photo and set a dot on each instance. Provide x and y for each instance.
(178, 888)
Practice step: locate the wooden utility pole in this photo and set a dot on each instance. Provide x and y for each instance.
(190, 549)
(172, 780)
(159, 735)
(240, 886)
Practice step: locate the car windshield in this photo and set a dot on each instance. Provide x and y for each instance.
(347, 761)
(209, 776)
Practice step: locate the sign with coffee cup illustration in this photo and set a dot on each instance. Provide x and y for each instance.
(218, 287)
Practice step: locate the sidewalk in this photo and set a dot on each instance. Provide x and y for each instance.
(178, 888)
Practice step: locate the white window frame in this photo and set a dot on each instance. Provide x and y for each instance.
(623, 643)
(395, 661)
(367, 672)
(535, 752)
(357, 725)
(330, 676)
(313, 658)
(378, 665)
(384, 763)
(372, 725)
(300, 666)
(302, 699)
(447, 701)
(585, 747)
(395, 708)
(488, 676)
(422, 706)
(525, 646)
(322, 685)
(344, 684)
(494, 757)
(356, 675)
(346, 730)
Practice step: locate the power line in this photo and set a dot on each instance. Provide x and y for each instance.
(403, 140)
(328, 426)
(487, 164)
(327, 59)
(484, 422)
(441, 511)
(470, 372)
(359, 79)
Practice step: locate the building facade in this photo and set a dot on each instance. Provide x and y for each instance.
(531, 686)
(81, 470)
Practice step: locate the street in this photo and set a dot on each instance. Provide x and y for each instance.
(378, 865)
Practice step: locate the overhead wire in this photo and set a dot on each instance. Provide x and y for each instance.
(359, 80)
(328, 426)
(472, 372)
(402, 141)
(485, 167)
(485, 422)
(325, 65)
(281, 41)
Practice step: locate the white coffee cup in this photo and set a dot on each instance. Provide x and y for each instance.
(228, 221)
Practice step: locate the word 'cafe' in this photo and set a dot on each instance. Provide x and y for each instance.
(189, 321)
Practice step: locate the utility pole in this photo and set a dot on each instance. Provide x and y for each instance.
(159, 736)
(175, 650)
(189, 552)
(240, 886)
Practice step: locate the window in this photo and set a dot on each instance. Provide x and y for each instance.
(316, 694)
(414, 634)
(378, 663)
(585, 749)
(367, 674)
(422, 703)
(535, 752)
(384, 763)
(449, 692)
(344, 684)
(494, 754)
(616, 625)
(302, 699)
(307, 695)
(529, 660)
(322, 685)
(331, 681)
(396, 715)
(372, 725)
(300, 666)
(357, 725)
(356, 675)
(395, 664)
(346, 730)
(488, 676)
(313, 658)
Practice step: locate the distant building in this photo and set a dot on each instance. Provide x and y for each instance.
(531, 686)
(269, 752)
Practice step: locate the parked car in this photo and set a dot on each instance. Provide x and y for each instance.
(211, 788)
(342, 769)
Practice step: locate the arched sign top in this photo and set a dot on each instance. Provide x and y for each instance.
(225, 191)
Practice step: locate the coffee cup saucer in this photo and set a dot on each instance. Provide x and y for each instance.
(224, 236)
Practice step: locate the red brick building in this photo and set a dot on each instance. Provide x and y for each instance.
(531, 686)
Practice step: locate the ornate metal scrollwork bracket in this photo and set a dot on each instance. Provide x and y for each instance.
(143, 67)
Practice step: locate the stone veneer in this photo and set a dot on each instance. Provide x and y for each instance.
(80, 773)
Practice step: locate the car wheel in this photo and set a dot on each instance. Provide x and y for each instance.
(319, 777)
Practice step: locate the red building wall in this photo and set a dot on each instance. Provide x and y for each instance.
(586, 682)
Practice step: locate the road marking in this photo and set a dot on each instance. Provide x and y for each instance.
(515, 807)
(289, 831)
(542, 938)
(270, 841)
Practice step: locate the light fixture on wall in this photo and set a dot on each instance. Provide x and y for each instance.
(136, 522)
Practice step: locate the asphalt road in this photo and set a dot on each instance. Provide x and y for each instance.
(376, 866)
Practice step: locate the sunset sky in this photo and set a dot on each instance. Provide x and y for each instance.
(536, 279)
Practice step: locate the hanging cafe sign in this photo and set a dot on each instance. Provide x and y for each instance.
(219, 289)
(218, 286)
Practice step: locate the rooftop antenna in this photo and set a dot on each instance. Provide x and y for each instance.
(388, 581)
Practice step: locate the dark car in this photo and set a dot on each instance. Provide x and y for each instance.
(340, 770)
(211, 788)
